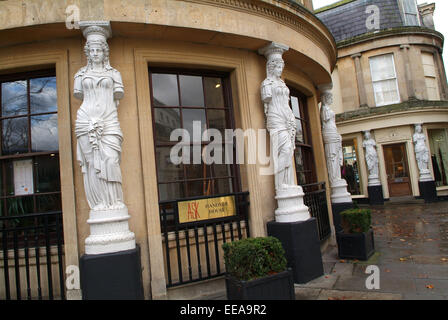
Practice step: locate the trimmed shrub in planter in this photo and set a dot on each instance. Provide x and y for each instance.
(256, 270)
(356, 241)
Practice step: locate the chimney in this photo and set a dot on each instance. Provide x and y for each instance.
(427, 14)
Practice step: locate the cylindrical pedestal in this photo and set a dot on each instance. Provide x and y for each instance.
(112, 276)
(290, 205)
(109, 231)
(302, 247)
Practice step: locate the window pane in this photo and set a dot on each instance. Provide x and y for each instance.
(14, 136)
(438, 141)
(44, 133)
(295, 107)
(48, 203)
(349, 170)
(223, 186)
(14, 98)
(166, 170)
(382, 67)
(300, 135)
(171, 191)
(199, 188)
(190, 115)
(213, 93)
(222, 170)
(9, 178)
(47, 174)
(217, 120)
(166, 120)
(43, 95)
(197, 170)
(191, 91)
(164, 90)
(20, 205)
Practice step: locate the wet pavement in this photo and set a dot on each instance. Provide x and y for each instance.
(411, 242)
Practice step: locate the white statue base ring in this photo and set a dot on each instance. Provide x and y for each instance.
(290, 205)
(339, 193)
(425, 175)
(109, 231)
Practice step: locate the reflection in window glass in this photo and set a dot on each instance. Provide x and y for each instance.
(43, 95)
(295, 106)
(169, 191)
(164, 90)
(202, 106)
(14, 136)
(47, 177)
(438, 141)
(350, 169)
(194, 115)
(166, 120)
(14, 98)
(26, 174)
(166, 170)
(217, 120)
(191, 91)
(213, 93)
(44, 133)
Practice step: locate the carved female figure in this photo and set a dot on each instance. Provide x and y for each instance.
(421, 152)
(97, 127)
(371, 157)
(280, 119)
(332, 139)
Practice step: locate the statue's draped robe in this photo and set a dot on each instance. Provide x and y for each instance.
(99, 137)
(282, 129)
(333, 146)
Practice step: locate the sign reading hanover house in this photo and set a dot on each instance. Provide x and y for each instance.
(206, 209)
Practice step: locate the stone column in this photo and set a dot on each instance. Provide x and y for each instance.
(333, 148)
(442, 74)
(360, 80)
(427, 184)
(110, 268)
(408, 72)
(340, 198)
(375, 188)
(293, 224)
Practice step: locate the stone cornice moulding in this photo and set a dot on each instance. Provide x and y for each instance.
(289, 16)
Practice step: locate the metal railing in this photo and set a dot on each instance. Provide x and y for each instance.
(316, 200)
(193, 250)
(31, 256)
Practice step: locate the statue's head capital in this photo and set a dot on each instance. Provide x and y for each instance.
(96, 31)
(273, 51)
(326, 93)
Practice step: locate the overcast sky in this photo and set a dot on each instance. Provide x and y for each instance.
(440, 20)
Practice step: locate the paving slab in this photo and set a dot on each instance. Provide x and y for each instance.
(357, 295)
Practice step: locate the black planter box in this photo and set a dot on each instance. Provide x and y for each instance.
(279, 286)
(359, 246)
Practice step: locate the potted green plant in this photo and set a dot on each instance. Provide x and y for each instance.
(256, 269)
(356, 241)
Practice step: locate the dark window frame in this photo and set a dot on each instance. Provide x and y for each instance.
(229, 120)
(306, 146)
(6, 160)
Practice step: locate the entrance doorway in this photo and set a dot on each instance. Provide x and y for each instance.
(397, 170)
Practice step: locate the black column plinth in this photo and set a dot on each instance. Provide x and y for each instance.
(376, 195)
(302, 247)
(428, 191)
(337, 208)
(112, 276)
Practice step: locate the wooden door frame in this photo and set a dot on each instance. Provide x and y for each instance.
(406, 158)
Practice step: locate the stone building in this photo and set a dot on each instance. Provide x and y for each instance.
(390, 77)
(179, 61)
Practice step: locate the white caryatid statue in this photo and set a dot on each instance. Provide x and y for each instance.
(281, 124)
(99, 135)
(421, 153)
(371, 159)
(333, 148)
